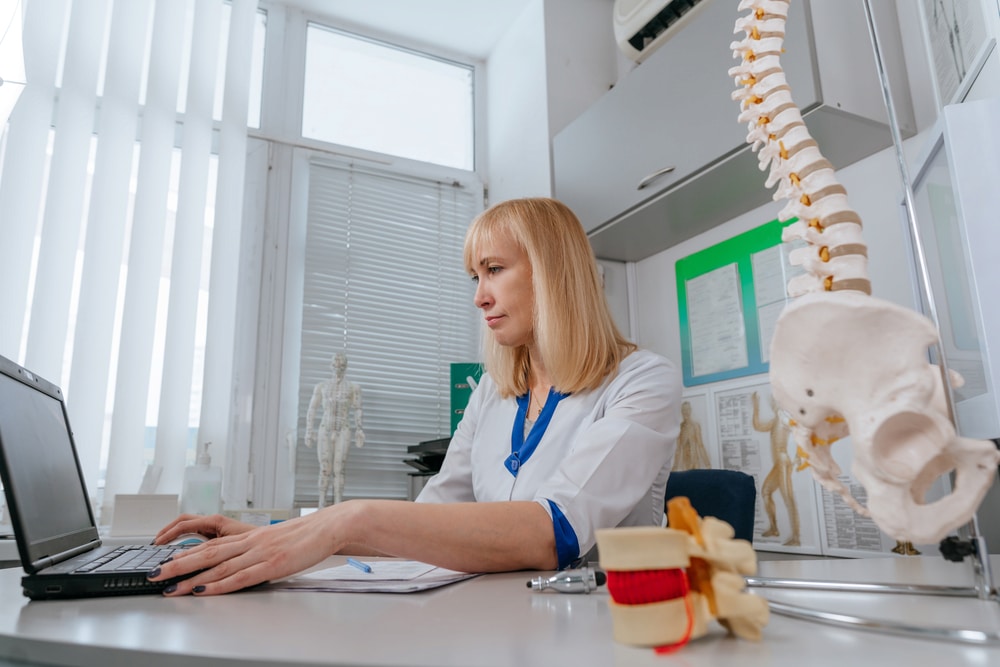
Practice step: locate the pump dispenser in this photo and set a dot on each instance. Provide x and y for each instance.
(202, 492)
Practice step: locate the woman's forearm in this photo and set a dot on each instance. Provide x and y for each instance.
(471, 537)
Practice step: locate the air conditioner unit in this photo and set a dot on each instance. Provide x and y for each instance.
(641, 26)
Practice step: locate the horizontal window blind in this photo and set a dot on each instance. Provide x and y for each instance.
(384, 283)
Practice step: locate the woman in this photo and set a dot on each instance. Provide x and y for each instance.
(571, 429)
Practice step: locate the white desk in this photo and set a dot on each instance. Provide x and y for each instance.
(8, 551)
(490, 620)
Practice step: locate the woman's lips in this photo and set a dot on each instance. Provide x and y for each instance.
(493, 321)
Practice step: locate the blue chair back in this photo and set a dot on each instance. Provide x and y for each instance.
(729, 495)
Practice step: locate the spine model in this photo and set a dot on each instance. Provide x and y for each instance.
(843, 362)
(835, 257)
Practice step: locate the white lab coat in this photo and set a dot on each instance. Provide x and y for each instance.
(602, 462)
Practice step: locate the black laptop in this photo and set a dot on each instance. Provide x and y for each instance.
(57, 538)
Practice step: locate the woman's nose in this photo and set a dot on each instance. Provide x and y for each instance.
(482, 299)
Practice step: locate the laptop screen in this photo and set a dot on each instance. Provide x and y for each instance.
(45, 491)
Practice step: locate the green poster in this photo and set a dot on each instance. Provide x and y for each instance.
(464, 378)
(728, 296)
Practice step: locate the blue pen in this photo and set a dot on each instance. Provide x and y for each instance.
(364, 567)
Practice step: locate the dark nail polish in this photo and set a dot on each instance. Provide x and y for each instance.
(198, 589)
(170, 589)
(153, 574)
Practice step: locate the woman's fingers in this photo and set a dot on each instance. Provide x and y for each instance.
(205, 564)
(172, 528)
(210, 565)
(236, 581)
(212, 526)
(237, 561)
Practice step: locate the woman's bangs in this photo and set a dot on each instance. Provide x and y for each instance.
(485, 232)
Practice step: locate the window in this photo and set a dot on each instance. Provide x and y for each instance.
(384, 282)
(127, 180)
(381, 98)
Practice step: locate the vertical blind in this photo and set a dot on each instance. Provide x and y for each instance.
(384, 283)
(112, 226)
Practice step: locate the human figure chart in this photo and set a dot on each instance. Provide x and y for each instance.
(338, 398)
(691, 452)
(780, 477)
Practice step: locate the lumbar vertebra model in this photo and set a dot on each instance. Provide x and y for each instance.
(843, 362)
(667, 584)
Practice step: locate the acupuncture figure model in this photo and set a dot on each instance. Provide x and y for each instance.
(844, 362)
(339, 400)
(780, 477)
(691, 452)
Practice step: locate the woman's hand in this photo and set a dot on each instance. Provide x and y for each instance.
(212, 526)
(241, 555)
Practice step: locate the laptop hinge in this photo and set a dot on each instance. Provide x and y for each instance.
(49, 561)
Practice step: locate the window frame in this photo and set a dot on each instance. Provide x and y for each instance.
(281, 112)
(320, 28)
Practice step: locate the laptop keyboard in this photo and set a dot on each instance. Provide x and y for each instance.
(131, 559)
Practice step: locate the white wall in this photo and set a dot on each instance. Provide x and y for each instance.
(580, 57)
(518, 156)
(551, 64)
(581, 66)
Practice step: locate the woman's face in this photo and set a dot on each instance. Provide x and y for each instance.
(504, 293)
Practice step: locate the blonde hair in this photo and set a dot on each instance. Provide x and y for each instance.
(573, 328)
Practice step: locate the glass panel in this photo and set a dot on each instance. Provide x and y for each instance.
(256, 66)
(257, 70)
(381, 98)
(220, 64)
(941, 233)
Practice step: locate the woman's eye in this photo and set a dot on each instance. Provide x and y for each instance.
(487, 270)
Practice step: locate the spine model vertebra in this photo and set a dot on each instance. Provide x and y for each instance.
(835, 257)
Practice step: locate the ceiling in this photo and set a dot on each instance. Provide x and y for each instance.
(463, 27)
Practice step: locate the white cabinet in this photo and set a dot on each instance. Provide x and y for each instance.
(674, 112)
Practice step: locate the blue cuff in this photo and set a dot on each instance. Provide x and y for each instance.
(567, 546)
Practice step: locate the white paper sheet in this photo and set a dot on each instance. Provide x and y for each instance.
(387, 576)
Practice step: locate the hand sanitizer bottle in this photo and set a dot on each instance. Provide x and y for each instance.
(202, 492)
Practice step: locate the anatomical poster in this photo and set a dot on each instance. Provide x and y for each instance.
(754, 436)
(696, 448)
(956, 33)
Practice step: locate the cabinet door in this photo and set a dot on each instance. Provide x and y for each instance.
(673, 110)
